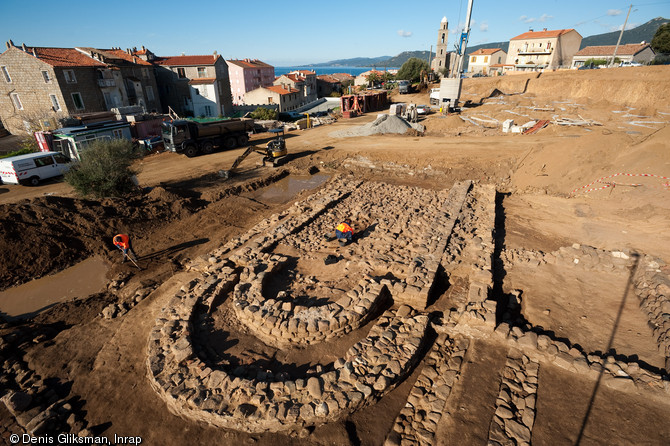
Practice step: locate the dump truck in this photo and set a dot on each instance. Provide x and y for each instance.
(191, 137)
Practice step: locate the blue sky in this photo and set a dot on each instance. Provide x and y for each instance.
(299, 32)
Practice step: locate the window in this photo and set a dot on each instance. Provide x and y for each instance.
(442, 37)
(181, 74)
(44, 161)
(118, 133)
(61, 159)
(6, 74)
(17, 101)
(486, 59)
(208, 110)
(202, 72)
(270, 100)
(145, 73)
(69, 76)
(150, 93)
(473, 59)
(45, 75)
(78, 101)
(54, 102)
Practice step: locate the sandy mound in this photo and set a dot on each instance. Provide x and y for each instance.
(382, 125)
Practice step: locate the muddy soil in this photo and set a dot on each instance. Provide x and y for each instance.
(188, 210)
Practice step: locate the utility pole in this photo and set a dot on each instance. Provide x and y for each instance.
(620, 36)
(430, 54)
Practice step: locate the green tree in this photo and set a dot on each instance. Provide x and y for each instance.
(263, 114)
(661, 40)
(104, 170)
(373, 79)
(411, 70)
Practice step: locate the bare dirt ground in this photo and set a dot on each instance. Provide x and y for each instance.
(97, 364)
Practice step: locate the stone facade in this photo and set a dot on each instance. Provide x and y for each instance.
(37, 110)
(48, 84)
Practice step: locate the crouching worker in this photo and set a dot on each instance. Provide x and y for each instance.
(122, 241)
(344, 232)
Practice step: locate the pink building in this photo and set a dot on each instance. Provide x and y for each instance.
(247, 75)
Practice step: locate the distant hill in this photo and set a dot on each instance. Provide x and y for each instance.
(354, 62)
(636, 35)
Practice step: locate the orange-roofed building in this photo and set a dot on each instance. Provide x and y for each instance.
(540, 50)
(481, 60)
(303, 80)
(632, 52)
(41, 86)
(246, 75)
(196, 85)
(284, 97)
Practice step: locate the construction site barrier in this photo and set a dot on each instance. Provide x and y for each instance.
(665, 186)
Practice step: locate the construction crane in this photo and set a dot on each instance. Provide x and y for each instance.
(450, 88)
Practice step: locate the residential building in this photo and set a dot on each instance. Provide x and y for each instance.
(633, 52)
(285, 97)
(539, 50)
(39, 86)
(194, 85)
(482, 59)
(343, 77)
(326, 85)
(246, 75)
(302, 80)
(362, 79)
(128, 80)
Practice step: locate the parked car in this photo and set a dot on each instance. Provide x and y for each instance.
(291, 116)
(479, 75)
(422, 109)
(32, 168)
(630, 64)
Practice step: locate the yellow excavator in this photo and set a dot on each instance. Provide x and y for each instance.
(274, 154)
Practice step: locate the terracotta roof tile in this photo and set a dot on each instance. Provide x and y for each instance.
(176, 61)
(249, 63)
(303, 72)
(542, 34)
(328, 78)
(64, 57)
(485, 51)
(630, 49)
(202, 81)
(281, 90)
(114, 54)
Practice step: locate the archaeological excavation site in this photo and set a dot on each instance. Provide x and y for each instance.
(494, 292)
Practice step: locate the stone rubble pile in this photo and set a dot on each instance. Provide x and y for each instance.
(193, 389)
(616, 374)
(281, 323)
(652, 287)
(418, 421)
(578, 256)
(514, 417)
(38, 405)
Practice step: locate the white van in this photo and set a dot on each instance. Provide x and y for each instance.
(30, 169)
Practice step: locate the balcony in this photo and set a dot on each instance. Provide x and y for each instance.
(106, 83)
(536, 51)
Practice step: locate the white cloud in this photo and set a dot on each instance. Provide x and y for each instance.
(614, 12)
(484, 27)
(403, 33)
(628, 26)
(542, 18)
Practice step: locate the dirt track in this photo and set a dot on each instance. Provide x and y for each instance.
(97, 363)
